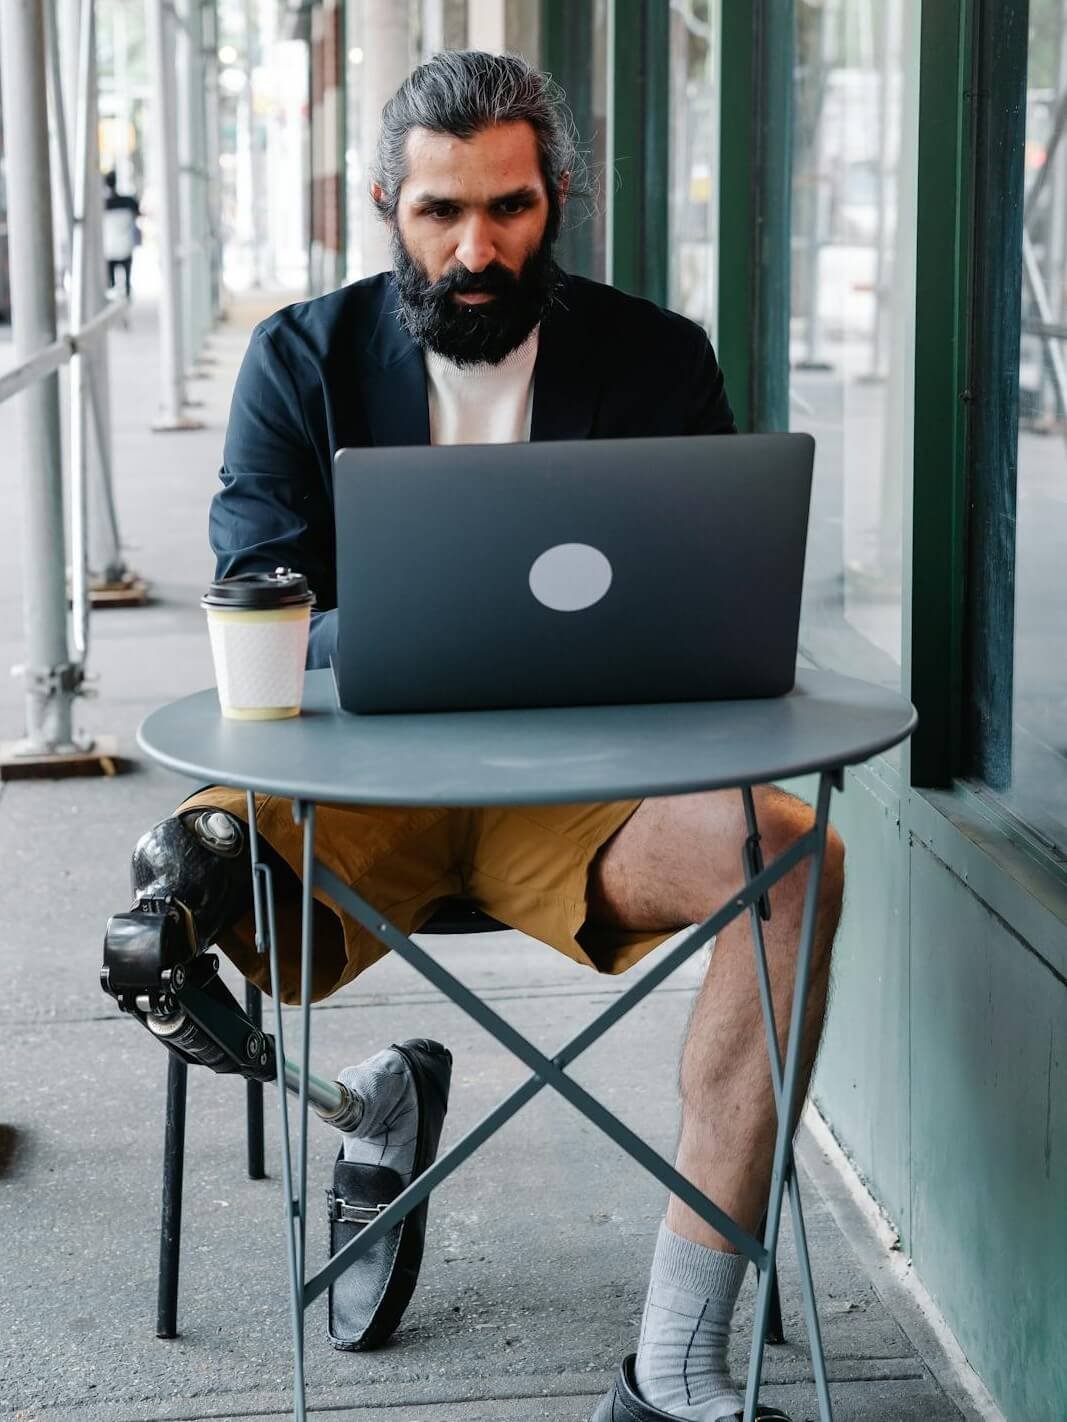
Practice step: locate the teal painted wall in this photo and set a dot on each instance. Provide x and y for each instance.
(989, 1132)
(944, 1075)
(862, 1080)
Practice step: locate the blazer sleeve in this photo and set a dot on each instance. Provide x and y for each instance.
(708, 408)
(273, 509)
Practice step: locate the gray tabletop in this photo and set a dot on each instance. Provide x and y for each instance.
(559, 755)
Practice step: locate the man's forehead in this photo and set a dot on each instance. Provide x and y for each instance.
(499, 159)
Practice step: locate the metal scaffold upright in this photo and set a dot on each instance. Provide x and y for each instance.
(48, 71)
(191, 67)
(163, 27)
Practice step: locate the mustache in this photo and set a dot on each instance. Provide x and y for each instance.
(493, 280)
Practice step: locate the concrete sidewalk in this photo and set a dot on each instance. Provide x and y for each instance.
(538, 1252)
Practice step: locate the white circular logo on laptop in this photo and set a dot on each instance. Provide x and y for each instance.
(570, 577)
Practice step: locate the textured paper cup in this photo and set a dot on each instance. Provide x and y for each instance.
(258, 624)
(259, 661)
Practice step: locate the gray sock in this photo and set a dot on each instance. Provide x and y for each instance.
(685, 1331)
(387, 1132)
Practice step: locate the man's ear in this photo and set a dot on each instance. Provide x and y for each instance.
(377, 193)
(564, 187)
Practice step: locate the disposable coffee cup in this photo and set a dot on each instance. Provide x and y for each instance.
(258, 624)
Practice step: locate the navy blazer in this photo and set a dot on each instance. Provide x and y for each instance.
(341, 372)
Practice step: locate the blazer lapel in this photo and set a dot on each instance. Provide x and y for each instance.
(567, 374)
(394, 382)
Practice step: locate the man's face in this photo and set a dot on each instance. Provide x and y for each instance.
(470, 250)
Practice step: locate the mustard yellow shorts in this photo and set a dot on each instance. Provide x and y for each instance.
(527, 866)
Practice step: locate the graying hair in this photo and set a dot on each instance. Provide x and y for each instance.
(461, 92)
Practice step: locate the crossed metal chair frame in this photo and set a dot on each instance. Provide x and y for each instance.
(546, 1071)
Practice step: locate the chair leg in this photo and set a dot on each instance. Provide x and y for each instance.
(775, 1327)
(254, 1092)
(170, 1231)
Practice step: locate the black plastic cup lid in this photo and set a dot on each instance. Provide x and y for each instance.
(259, 592)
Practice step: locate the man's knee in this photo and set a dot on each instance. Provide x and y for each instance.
(783, 819)
(201, 859)
(834, 867)
(191, 881)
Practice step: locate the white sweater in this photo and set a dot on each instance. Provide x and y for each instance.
(482, 404)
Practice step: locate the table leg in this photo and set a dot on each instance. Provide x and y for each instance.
(304, 813)
(254, 1092)
(267, 940)
(757, 915)
(783, 1171)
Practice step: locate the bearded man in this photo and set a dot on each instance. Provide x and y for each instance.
(477, 337)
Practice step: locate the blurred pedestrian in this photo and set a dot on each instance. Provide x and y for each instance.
(121, 232)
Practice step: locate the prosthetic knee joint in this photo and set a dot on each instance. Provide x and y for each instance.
(190, 877)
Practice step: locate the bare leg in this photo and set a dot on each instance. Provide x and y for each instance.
(672, 864)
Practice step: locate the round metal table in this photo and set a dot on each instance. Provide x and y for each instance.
(564, 755)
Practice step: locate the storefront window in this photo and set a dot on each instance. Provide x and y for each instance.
(385, 39)
(855, 143)
(1038, 781)
(694, 160)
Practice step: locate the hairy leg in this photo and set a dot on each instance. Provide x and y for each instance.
(674, 863)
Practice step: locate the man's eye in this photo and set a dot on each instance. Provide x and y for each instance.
(512, 207)
(441, 212)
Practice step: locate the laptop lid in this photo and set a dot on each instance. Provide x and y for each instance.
(570, 573)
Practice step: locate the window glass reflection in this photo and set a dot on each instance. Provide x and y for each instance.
(1038, 789)
(855, 144)
(694, 159)
(385, 40)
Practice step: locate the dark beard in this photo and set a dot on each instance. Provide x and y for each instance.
(471, 335)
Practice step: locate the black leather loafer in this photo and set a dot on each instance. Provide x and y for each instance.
(622, 1403)
(367, 1302)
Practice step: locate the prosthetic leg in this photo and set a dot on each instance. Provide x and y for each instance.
(191, 879)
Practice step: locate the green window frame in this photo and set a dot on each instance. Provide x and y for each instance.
(938, 525)
(755, 198)
(959, 549)
(637, 152)
(567, 54)
(635, 180)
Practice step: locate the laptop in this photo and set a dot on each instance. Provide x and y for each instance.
(570, 573)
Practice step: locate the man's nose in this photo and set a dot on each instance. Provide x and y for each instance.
(476, 249)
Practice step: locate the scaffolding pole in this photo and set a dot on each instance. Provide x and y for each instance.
(212, 148)
(186, 49)
(183, 64)
(203, 193)
(103, 542)
(52, 680)
(203, 175)
(114, 583)
(257, 236)
(160, 28)
(81, 361)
